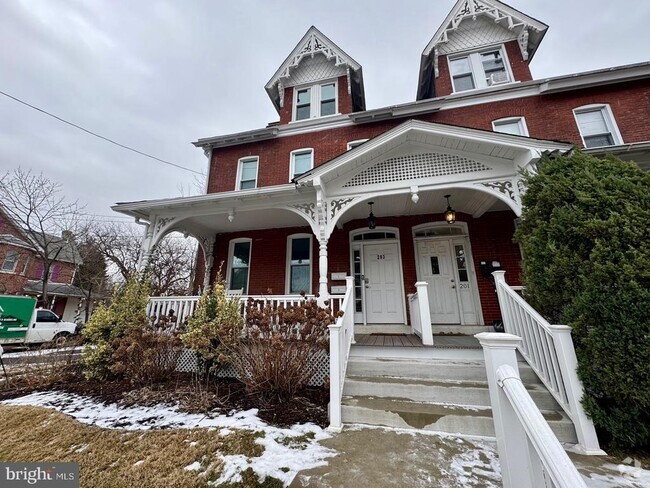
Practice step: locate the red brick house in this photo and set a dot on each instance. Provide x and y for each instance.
(287, 206)
(21, 268)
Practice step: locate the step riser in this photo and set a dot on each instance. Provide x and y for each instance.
(466, 425)
(456, 395)
(455, 372)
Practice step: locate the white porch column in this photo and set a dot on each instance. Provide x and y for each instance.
(146, 248)
(517, 467)
(208, 259)
(322, 272)
(424, 312)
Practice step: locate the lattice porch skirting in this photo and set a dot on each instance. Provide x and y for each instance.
(320, 363)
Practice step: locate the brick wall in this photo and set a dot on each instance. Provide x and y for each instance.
(547, 117)
(490, 238)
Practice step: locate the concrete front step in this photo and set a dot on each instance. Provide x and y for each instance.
(432, 369)
(468, 393)
(391, 412)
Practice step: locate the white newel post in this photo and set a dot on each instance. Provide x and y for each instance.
(424, 312)
(568, 363)
(335, 376)
(322, 272)
(517, 466)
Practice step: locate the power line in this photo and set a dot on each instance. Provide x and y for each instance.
(100, 136)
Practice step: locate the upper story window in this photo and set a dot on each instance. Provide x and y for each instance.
(10, 262)
(511, 125)
(597, 126)
(247, 173)
(299, 264)
(479, 70)
(353, 144)
(302, 160)
(315, 101)
(239, 264)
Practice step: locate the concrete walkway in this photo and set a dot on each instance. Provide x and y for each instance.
(383, 458)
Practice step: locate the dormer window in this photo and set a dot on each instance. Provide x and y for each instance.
(315, 101)
(479, 70)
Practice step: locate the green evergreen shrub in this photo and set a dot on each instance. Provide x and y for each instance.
(107, 324)
(217, 318)
(585, 237)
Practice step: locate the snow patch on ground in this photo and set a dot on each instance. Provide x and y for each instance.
(282, 458)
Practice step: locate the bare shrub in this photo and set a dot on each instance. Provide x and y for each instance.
(144, 356)
(273, 352)
(46, 366)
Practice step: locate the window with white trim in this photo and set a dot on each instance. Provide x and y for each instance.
(511, 125)
(302, 160)
(299, 259)
(315, 101)
(353, 144)
(597, 126)
(247, 173)
(10, 262)
(239, 259)
(479, 70)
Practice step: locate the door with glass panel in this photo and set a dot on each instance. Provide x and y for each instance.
(437, 269)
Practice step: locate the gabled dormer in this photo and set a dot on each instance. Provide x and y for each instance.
(481, 43)
(318, 79)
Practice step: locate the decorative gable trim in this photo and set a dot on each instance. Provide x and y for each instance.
(497, 12)
(312, 43)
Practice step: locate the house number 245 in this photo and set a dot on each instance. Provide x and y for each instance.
(381, 256)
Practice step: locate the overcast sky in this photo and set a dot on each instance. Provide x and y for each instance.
(157, 75)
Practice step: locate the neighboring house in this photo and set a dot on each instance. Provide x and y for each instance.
(21, 269)
(287, 206)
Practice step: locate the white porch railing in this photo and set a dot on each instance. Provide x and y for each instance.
(530, 454)
(184, 306)
(549, 351)
(341, 338)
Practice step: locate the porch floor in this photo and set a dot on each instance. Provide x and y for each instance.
(412, 340)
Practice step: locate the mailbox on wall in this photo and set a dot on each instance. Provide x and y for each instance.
(488, 267)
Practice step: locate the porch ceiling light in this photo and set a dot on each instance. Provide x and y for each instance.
(372, 221)
(450, 213)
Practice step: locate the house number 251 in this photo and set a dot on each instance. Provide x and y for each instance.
(381, 256)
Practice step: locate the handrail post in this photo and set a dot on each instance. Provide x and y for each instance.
(568, 363)
(425, 313)
(512, 442)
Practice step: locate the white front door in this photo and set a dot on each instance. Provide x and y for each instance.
(383, 284)
(436, 268)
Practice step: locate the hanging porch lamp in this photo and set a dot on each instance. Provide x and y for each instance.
(450, 213)
(372, 221)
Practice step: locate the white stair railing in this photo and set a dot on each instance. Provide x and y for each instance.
(341, 338)
(530, 454)
(549, 351)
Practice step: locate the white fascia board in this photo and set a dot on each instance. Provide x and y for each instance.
(595, 78)
(149, 207)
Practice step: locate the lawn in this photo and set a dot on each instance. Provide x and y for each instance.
(156, 446)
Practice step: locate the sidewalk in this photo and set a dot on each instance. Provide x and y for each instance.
(383, 458)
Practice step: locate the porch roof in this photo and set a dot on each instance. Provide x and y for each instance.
(484, 145)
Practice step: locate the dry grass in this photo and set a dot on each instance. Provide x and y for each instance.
(108, 457)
